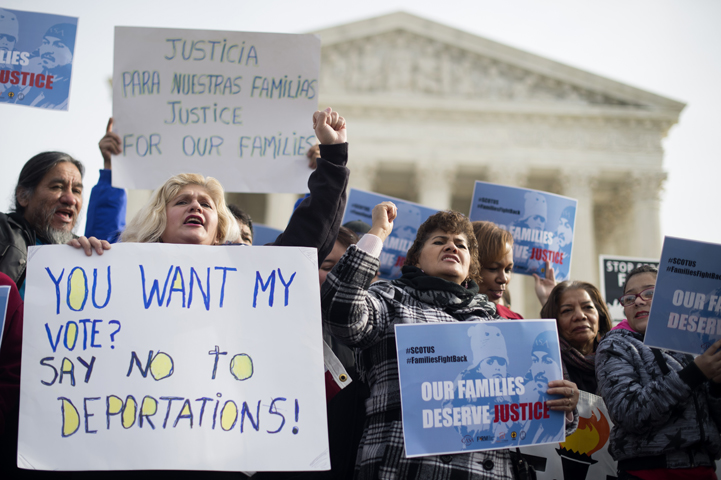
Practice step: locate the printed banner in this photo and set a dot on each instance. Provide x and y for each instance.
(36, 58)
(584, 454)
(4, 295)
(613, 270)
(478, 385)
(542, 225)
(237, 106)
(405, 226)
(686, 308)
(263, 234)
(183, 357)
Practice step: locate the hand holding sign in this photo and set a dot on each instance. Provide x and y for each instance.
(329, 127)
(544, 286)
(90, 244)
(569, 395)
(710, 362)
(383, 216)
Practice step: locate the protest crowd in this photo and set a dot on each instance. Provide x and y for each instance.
(665, 405)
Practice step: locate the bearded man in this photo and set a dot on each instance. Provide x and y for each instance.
(48, 199)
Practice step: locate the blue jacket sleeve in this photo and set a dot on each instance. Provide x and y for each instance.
(106, 210)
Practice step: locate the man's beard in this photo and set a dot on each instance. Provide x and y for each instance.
(56, 236)
(53, 235)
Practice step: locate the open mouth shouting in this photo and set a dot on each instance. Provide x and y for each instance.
(194, 220)
(64, 214)
(450, 258)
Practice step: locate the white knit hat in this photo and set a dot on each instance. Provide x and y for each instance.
(9, 23)
(534, 204)
(487, 341)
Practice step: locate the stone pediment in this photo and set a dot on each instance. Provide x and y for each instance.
(404, 56)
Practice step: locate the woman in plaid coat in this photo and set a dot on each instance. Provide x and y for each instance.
(438, 285)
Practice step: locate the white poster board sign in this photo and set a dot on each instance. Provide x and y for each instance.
(157, 356)
(233, 105)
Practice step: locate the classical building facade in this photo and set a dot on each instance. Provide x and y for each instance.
(431, 109)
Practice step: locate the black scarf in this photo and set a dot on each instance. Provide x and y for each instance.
(441, 293)
(580, 368)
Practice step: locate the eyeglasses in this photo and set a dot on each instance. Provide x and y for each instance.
(630, 299)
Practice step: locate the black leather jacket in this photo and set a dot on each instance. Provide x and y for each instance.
(16, 236)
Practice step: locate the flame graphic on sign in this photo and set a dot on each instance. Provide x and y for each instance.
(591, 435)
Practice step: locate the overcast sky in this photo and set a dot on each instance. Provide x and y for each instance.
(668, 47)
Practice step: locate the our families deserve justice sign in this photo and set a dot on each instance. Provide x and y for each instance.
(686, 309)
(157, 356)
(542, 225)
(237, 106)
(405, 226)
(36, 58)
(478, 385)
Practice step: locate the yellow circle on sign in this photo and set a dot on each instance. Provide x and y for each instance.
(71, 419)
(241, 367)
(162, 366)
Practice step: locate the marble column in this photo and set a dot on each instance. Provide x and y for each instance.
(511, 175)
(279, 208)
(646, 214)
(584, 260)
(435, 185)
(363, 176)
(136, 200)
(521, 287)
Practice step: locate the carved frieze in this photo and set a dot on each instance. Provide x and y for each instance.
(404, 63)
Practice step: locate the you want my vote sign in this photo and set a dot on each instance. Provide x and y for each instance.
(157, 356)
(237, 106)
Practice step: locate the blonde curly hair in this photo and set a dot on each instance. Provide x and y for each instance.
(148, 225)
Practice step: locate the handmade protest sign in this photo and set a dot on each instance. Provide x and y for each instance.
(478, 385)
(4, 294)
(686, 308)
(237, 106)
(405, 226)
(542, 225)
(613, 270)
(584, 454)
(36, 58)
(159, 356)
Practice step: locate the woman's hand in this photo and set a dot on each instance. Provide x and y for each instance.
(383, 216)
(710, 362)
(569, 392)
(90, 244)
(329, 127)
(544, 286)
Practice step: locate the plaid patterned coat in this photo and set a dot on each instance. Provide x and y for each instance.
(675, 414)
(364, 317)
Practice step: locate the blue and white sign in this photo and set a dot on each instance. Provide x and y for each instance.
(263, 234)
(542, 225)
(4, 294)
(36, 58)
(686, 311)
(478, 385)
(405, 226)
